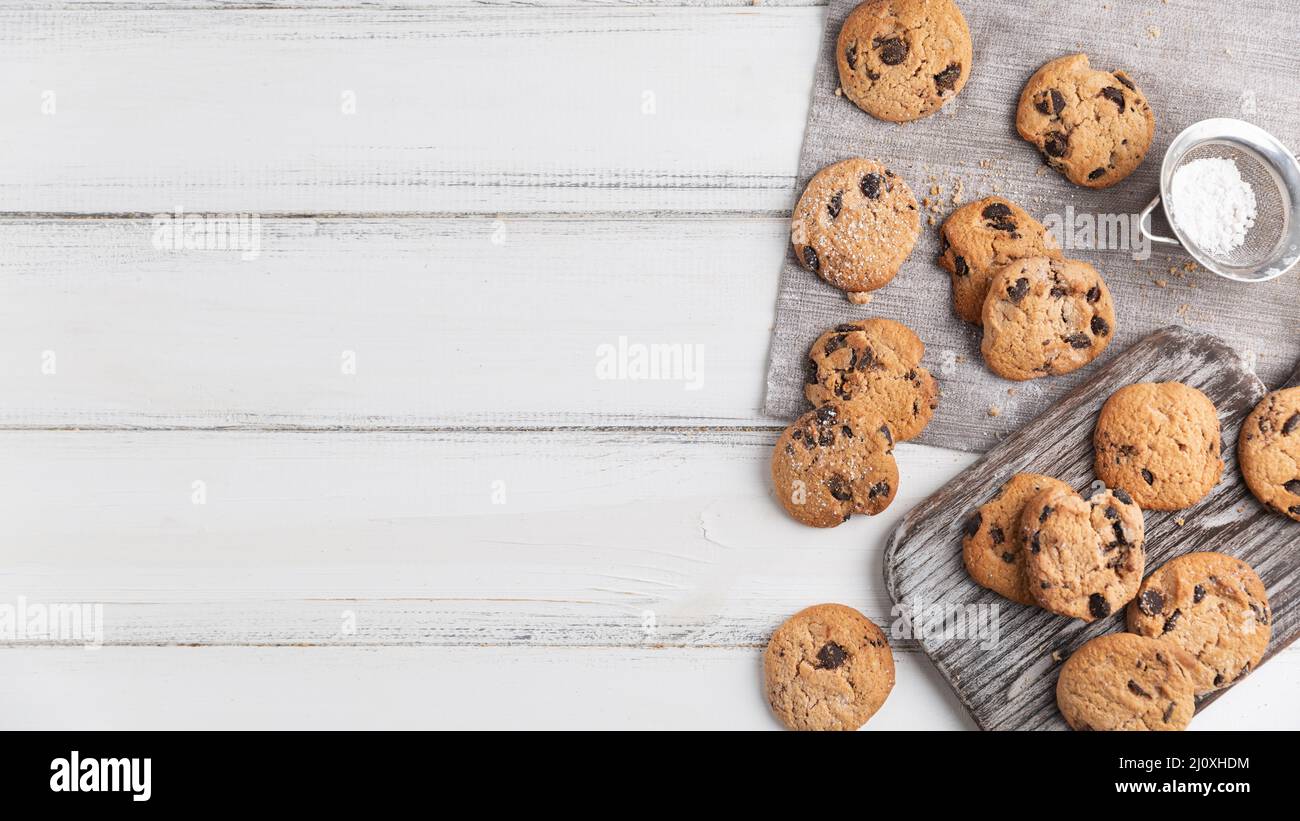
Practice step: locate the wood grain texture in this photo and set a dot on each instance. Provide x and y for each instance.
(457, 109)
(555, 538)
(443, 688)
(1013, 685)
(382, 5)
(479, 322)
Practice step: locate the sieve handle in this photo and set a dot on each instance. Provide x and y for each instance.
(1144, 225)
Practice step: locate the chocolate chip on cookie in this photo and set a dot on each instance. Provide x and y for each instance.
(1045, 316)
(835, 461)
(1083, 557)
(1160, 442)
(1269, 451)
(876, 362)
(827, 668)
(901, 60)
(854, 225)
(1125, 682)
(992, 541)
(1092, 126)
(1213, 607)
(982, 236)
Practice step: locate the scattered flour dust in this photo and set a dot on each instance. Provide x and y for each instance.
(948, 363)
(1213, 205)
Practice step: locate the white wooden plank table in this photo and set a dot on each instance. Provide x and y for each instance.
(472, 528)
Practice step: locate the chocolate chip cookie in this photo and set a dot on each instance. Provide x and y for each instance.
(1044, 317)
(1125, 682)
(827, 668)
(1269, 451)
(1211, 606)
(982, 236)
(854, 225)
(1159, 441)
(833, 462)
(901, 60)
(1083, 557)
(1093, 126)
(876, 362)
(992, 542)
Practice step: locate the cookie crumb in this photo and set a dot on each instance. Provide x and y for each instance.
(931, 220)
(986, 163)
(859, 297)
(1011, 391)
(1161, 283)
(994, 410)
(1153, 32)
(1180, 521)
(839, 92)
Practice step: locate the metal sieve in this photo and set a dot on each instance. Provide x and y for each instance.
(1272, 245)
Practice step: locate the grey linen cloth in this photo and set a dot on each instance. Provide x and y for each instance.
(1193, 59)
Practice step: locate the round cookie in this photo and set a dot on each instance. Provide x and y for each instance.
(854, 225)
(1092, 126)
(1159, 441)
(1125, 682)
(1045, 317)
(1268, 450)
(901, 60)
(984, 235)
(835, 461)
(876, 362)
(1211, 606)
(992, 542)
(1083, 557)
(827, 668)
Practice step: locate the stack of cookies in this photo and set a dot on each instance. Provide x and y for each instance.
(1042, 314)
(1197, 624)
(868, 390)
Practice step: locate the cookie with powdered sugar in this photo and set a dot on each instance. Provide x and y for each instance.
(855, 224)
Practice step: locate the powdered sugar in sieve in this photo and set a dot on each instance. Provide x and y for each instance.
(1212, 204)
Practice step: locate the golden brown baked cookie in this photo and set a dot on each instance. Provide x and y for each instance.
(1269, 451)
(992, 542)
(1211, 606)
(827, 668)
(1083, 557)
(854, 225)
(835, 461)
(1093, 126)
(984, 235)
(1159, 441)
(1045, 317)
(1125, 682)
(901, 60)
(876, 362)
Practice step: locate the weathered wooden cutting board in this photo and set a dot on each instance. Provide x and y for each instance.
(1012, 685)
